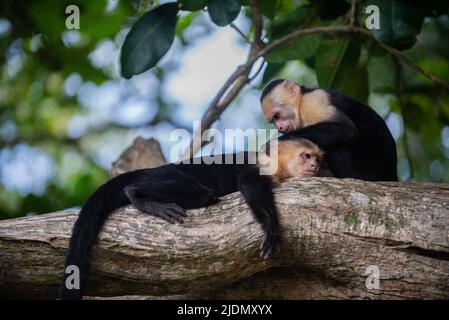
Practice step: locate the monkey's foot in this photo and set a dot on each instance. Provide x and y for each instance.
(270, 244)
(170, 212)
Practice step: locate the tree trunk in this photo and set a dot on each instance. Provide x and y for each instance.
(333, 230)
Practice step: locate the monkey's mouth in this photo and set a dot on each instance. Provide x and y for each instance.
(285, 130)
(308, 173)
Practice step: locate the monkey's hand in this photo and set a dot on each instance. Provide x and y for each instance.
(270, 244)
(170, 212)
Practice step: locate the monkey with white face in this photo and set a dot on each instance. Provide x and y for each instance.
(357, 141)
(299, 158)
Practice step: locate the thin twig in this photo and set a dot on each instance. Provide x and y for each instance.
(353, 17)
(233, 85)
(258, 71)
(240, 76)
(258, 22)
(414, 66)
(400, 93)
(349, 29)
(240, 32)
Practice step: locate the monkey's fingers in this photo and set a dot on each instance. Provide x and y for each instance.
(169, 212)
(164, 216)
(177, 209)
(176, 214)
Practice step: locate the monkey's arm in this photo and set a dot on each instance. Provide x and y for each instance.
(258, 193)
(168, 197)
(326, 134)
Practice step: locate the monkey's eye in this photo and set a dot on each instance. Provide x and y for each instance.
(276, 117)
(307, 156)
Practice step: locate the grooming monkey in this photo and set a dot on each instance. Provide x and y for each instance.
(354, 137)
(168, 191)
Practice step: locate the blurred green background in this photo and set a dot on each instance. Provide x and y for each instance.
(66, 113)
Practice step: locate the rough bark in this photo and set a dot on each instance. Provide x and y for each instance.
(332, 231)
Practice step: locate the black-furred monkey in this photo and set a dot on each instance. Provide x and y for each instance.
(169, 190)
(354, 137)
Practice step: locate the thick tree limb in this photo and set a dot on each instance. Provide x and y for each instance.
(333, 230)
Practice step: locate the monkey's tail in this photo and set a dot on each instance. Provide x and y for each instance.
(91, 219)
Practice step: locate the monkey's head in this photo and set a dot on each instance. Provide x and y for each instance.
(291, 106)
(281, 100)
(297, 158)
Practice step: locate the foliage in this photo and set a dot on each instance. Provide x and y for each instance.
(149, 39)
(38, 55)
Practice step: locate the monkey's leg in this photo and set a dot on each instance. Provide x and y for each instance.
(170, 212)
(169, 198)
(258, 193)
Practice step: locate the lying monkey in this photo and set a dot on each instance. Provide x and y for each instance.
(168, 191)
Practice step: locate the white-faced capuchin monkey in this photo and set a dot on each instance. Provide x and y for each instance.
(354, 137)
(168, 191)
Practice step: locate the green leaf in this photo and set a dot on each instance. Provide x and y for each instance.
(302, 48)
(193, 5)
(435, 8)
(357, 87)
(292, 20)
(380, 69)
(400, 22)
(336, 60)
(271, 70)
(149, 39)
(331, 9)
(184, 22)
(268, 8)
(223, 12)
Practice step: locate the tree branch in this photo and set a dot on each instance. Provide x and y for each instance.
(240, 76)
(350, 29)
(354, 7)
(258, 23)
(333, 229)
(258, 71)
(401, 101)
(240, 32)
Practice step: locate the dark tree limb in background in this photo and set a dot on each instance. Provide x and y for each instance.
(141, 154)
(333, 230)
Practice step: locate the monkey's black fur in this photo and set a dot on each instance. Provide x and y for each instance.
(167, 192)
(357, 143)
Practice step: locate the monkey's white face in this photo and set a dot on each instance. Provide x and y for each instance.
(281, 106)
(305, 163)
(283, 117)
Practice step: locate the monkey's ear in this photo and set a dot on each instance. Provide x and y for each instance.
(291, 87)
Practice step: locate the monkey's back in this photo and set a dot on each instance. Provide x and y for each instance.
(220, 172)
(375, 146)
